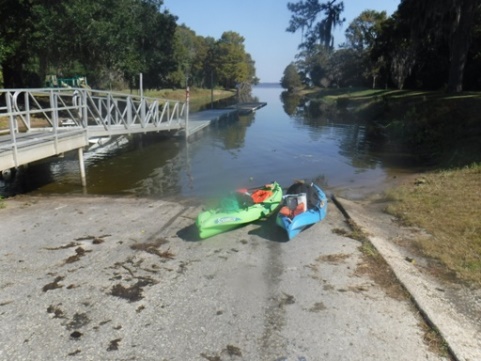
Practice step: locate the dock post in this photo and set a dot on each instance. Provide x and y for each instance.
(187, 99)
(82, 167)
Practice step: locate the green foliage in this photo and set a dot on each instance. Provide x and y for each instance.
(106, 39)
(207, 62)
(305, 17)
(233, 64)
(111, 42)
(291, 79)
(424, 45)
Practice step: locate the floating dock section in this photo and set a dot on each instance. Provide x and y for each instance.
(200, 120)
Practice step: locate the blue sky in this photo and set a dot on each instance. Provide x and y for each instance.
(263, 24)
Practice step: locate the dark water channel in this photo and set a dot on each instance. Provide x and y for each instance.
(284, 141)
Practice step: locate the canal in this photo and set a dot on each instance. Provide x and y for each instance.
(282, 142)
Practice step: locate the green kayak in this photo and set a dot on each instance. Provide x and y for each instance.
(239, 208)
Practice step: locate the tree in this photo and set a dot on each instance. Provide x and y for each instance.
(452, 20)
(15, 34)
(361, 36)
(233, 64)
(364, 29)
(305, 14)
(106, 39)
(393, 52)
(291, 79)
(344, 69)
(184, 54)
(111, 42)
(313, 66)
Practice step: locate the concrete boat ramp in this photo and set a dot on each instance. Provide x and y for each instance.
(101, 278)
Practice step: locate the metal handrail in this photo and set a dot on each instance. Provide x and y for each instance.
(95, 112)
(104, 108)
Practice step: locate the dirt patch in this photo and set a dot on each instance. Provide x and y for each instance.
(333, 258)
(153, 248)
(114, 345)
(79, 320)
(374, 266)
(53, 285)
(79, 252)
(56, 311)
(134, 292)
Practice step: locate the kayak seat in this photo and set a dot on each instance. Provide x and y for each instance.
(244, 199)
(229, 204)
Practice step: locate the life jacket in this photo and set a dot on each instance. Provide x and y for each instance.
(261, 195)
(292, 207)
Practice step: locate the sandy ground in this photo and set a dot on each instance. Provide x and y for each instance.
(128, 279)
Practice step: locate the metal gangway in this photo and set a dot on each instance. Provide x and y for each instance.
(39, 123)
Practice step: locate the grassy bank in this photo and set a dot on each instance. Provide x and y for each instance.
(447, 205)
(445, 201)
(196, 94)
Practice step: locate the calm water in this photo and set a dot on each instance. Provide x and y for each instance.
(282, 141)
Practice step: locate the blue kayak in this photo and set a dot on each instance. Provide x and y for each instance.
(301, 210)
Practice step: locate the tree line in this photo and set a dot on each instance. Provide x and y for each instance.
(429, 44)
(111, 42)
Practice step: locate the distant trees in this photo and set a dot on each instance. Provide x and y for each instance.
(424, 44)
(205, 61)
(291, 79)
(111, 42)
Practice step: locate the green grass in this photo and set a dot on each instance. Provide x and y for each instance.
(196, 94)
(447, 205)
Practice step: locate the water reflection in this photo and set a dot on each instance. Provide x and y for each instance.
(291, 138)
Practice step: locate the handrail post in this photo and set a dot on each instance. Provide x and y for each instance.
(13, 129)
(53, 106)
(143, 104)
(82, 167)
(129, 110)
(27, 109)
(187, 100)
(84, 109)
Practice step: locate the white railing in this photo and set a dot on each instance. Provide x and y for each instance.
(58, 107)
(59, 112)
